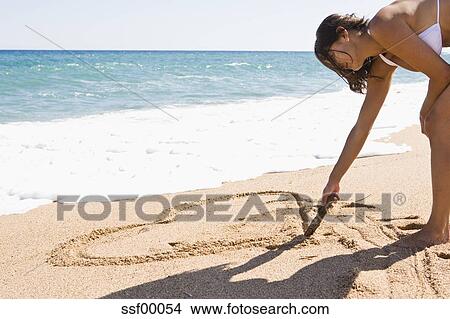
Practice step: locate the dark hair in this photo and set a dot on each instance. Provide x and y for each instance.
(327, 34)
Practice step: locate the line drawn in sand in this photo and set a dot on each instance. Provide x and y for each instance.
(74, 252)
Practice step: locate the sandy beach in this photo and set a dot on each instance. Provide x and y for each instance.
(251, 257)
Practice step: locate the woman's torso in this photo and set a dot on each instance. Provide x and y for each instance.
(420, 15)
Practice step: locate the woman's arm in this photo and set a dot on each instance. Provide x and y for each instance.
(435, 88)
(377, 90)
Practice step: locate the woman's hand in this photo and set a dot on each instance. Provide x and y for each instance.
(332, 188)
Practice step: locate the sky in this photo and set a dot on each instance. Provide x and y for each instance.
(272, 25)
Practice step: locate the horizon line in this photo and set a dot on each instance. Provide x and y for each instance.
(158, 50)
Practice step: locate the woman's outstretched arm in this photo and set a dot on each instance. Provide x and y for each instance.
(377, 90)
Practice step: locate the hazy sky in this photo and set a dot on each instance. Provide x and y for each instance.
(171, 24)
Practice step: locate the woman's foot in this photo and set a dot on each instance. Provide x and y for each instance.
(425, 237)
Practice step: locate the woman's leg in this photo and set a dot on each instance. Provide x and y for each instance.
(438, 128)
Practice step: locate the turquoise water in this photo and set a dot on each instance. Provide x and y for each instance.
(45, 85)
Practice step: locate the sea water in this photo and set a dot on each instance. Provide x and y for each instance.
(150, 122)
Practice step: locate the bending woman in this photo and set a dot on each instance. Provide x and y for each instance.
(409, 34)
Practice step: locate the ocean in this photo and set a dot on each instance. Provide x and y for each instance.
(146, 122)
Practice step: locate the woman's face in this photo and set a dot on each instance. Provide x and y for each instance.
(344, 52)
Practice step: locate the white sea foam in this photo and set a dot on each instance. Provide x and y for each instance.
(237, 64)
(267, 66)
(202, 77)
(46, 94)
(87, 94)
(146, 151)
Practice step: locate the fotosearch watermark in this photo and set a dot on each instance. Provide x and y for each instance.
(217, 207)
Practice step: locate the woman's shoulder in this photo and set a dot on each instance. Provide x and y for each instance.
(387, 13)
(414, 13)
(386, 19)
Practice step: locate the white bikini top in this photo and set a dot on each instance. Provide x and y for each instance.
(432, 36)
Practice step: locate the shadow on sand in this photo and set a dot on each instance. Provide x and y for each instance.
(330, 277)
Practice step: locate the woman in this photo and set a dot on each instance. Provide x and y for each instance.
(409, 34)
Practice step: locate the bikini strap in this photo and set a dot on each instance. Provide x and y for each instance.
(387, 61)
(437, 11)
